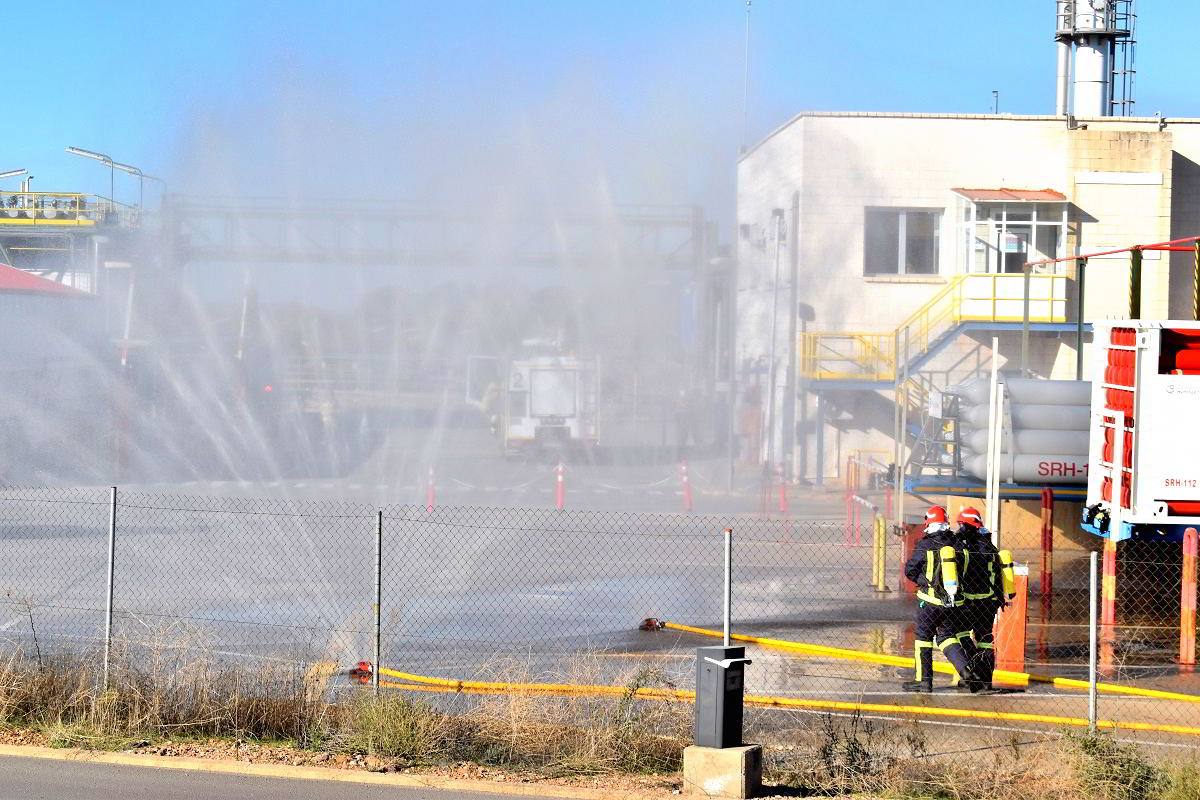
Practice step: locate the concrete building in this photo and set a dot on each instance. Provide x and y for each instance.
(878, 254)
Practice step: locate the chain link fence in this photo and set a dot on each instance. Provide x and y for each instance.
(526, 595)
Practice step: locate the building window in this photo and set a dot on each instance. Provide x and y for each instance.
(901, 241)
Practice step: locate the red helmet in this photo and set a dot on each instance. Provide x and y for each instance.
(970, 516)
(935, 514)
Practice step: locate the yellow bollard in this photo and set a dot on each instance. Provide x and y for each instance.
(879, 555)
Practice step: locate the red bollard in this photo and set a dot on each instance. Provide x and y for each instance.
(560, 487)
(783, 497)
(430, 493)
(847, 535)
(912, 535)
(1187, 601)
(1047, 579)
(857, 521)
(687, 487)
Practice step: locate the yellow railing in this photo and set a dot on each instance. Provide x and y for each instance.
(60, 209)
(869, 356)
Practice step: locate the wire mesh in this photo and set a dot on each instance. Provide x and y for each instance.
(542, 595)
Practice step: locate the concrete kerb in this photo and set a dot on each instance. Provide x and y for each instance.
(399, 780)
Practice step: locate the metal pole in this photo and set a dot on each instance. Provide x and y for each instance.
(1135, 284)
(789, 399)
(378, 598)
(727, 615)
(1081, 270)
(108, 609)
(773, 374)
(746, 81)
(902, 462)
(1025, 327)
(1092, 630)
(1196, 282)
(993, 455)
(731, 336)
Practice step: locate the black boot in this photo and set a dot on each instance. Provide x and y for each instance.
(922, 687)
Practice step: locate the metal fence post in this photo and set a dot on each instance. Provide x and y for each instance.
(728, 611)
(1093, 601)
(108, 608)
(378, 596)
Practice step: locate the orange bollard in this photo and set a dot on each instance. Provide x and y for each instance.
(560, 487)
(1108, 585)
(1011, 624)
(1047, 578)
(1187, 601)
(430, 493)
(783, 497)
(687, 487)
(1108, 608)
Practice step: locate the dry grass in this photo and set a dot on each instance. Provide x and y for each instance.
(176, 691)
(622, 734)
(854, 757)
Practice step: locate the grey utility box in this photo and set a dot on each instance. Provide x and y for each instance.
(720, 679)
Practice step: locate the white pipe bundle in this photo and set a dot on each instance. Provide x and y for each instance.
(1045, 430)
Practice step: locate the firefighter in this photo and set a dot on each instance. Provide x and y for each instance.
(934, 567)
(982, 593)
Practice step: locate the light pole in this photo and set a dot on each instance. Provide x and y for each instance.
(142, 178)
(112, 174)
(12, 173)
(777, 214)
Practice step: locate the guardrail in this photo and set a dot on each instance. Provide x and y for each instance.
(974, 297)
(64, 209)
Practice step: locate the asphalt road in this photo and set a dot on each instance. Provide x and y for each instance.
(35, 778)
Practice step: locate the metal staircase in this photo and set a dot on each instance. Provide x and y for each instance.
(869, 360)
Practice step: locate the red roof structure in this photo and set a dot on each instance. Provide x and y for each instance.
(1003, 195)
(15, 280)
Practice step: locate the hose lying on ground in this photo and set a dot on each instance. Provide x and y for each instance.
(425, 683)
(1002, 676)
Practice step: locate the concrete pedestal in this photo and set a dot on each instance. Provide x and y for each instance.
(722, 772)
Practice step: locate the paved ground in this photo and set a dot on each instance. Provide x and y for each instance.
(34, 779)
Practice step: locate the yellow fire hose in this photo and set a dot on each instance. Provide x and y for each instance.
(1003, 676)
(424, 683)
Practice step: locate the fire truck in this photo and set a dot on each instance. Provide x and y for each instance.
(538, 405)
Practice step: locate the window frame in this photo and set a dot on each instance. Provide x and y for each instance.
(902, 213)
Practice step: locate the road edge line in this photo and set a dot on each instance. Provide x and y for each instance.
(314, 773)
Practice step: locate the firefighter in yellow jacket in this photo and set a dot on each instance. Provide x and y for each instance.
(934, 568)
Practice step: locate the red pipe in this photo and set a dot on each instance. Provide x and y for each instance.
(1047, 546)
(1130, 249)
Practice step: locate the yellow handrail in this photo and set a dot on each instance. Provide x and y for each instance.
(872, 356)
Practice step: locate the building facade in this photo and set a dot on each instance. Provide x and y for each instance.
(879, 254)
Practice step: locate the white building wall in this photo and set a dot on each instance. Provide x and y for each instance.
(1116, 173)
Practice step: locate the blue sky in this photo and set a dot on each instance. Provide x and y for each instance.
(644, 97)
